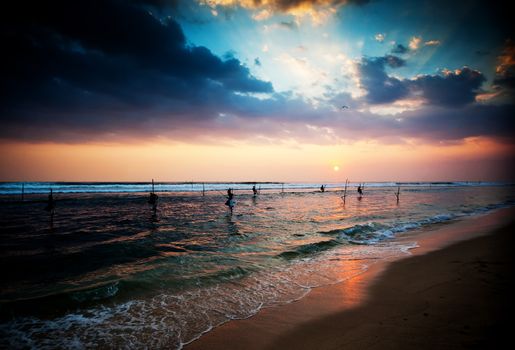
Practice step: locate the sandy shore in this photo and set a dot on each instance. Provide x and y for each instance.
(453, 292)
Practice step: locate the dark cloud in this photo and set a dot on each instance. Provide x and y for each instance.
(393, 61)
(257, 62)
(504, 80)
(380, 87)
(449, 88)
(110, 65)
(400, 49)
(444, 124)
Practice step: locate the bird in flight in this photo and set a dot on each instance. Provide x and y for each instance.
(343, 107)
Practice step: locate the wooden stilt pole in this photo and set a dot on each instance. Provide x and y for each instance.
(153, 198)
(345, 191)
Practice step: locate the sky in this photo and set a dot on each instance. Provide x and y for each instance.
(257, 90)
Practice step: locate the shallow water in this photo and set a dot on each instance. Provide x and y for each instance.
(108, 272)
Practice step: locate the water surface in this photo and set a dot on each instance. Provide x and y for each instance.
(108, 272)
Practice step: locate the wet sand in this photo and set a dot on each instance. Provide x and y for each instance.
(452, 292)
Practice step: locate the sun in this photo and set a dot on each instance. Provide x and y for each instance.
(336, 168)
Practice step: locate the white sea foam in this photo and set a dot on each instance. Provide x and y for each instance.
(172, 320)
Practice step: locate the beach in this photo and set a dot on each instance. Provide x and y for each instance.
(452, 292)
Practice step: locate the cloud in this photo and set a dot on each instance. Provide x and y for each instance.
(379, 37)
(393, 61)
(444, 124)
(283, 5)
(379, 87)
(318, 10)
(449, 88)
(288, 25)
(432, 43)
(430, 123)
(109, 67)
(400, 49)
(262, 15)
(505, 71)
(80, 72)
(414, 42)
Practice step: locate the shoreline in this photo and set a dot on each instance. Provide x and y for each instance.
(353, 313)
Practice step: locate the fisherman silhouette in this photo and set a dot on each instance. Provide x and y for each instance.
(153, 200)
(50, 204)
(360, 190)
(254, 190)
(322, 188)
(230, 200)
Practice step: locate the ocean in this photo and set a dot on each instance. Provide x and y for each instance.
(108, 271)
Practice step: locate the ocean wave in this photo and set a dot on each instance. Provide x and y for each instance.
(15, 188)
(99, 293)
(173, 320)
(374, 232)
(308, 249)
